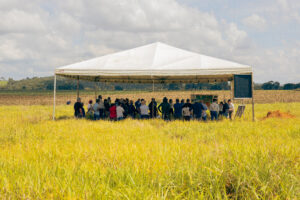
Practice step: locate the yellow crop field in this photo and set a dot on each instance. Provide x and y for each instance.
(135, 159)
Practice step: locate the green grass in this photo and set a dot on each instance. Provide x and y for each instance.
(3, 83)
(132, 159)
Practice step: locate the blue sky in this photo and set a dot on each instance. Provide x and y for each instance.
(39, 36)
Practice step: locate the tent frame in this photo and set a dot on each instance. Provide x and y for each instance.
(153, 82)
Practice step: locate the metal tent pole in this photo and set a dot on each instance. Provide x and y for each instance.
(78, 87)
(96, 89)
(151, 99)
(232, 89)
(152, 85)
(54, 96)
(253, 112)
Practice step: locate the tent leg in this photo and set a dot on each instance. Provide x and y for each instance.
(253, 112)
(95, 90)
(151, 100)
(232, 89)
(78, 87)
(153, 86)
(54, 97)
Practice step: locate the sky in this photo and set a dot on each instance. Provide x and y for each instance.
(37, 36)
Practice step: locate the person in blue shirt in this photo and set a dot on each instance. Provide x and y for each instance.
(177, 109)
(204, 115)
(197, 110)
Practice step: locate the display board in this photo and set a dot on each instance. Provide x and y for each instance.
(243, 86)
(240, 111)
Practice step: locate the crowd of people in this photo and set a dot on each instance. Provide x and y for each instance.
(167, 110)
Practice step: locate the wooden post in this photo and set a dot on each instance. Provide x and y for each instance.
(253, 113)
(54, 96)
(78, 87)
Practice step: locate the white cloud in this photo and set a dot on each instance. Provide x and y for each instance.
(255, 22)
(39, 36)
(18, 21)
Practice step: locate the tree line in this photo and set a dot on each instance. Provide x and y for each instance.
(46, 83)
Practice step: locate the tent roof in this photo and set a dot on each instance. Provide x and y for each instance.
(156, 62)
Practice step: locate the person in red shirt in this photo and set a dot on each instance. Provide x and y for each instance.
(113, 112)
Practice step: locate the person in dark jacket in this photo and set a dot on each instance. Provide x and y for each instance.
(225, 109)
(177, 109)
(171, 108)
(78, 109)
(131, 109)
(106, 106)
(153, 108)
(197, 110)
(164, 108)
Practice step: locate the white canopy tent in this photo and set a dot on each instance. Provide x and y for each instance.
(153, 63)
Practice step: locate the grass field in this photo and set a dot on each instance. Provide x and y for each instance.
(132, 159)
(46, 97)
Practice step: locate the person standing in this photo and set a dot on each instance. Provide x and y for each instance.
(187, 113)
(138, 105)
(177, 109)
(96, 110)
(221, 109)
(78, 109)
(164, 108)
(106, 106)
(153, 108)
(90, 107)
(225, 109)
(204, 115)
(197, 110)
(131, 110)
(171, 108)
(214, 110)
(231, 109)
(120, 112)
(113, 112)
(144, 109)
(182, 103)
(101, 108)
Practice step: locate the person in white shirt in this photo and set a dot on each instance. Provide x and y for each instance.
(96, 110)
(90, 107)
(214, 110)
(144, 109)
(231, 109)
(187, 112)
(101, 108)
(120, 112)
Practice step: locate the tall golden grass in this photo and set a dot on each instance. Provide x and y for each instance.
(134, 159)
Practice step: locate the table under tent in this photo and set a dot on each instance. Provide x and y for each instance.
(154, 63)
